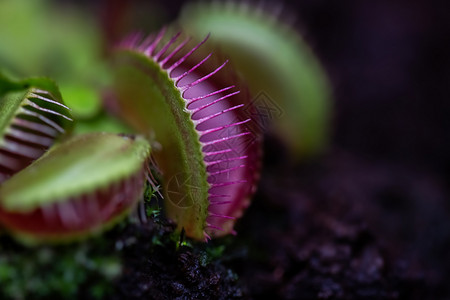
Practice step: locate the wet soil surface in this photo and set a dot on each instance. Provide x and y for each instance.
(340, 228)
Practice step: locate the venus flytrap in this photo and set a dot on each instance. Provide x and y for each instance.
(78, 188)
(32, 118)
(189, 108)
(189, 104)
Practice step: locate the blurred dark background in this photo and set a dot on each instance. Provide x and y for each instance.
(388, 62)
(390, 67)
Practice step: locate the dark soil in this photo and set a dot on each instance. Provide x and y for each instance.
(348, 229)
(341, 228)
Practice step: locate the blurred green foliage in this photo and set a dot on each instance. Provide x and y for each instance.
(39, 38)
(63, 42)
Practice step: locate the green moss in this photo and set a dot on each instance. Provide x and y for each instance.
(66, 272)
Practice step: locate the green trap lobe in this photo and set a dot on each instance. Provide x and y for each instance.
(78, 166)
(149, 100)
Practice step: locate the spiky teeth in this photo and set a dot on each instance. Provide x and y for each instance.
(291, 92)
(190, 104)
(77, 189)
(32, 119)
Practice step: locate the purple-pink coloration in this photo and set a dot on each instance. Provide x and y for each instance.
(231, 145)
(77, 215)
